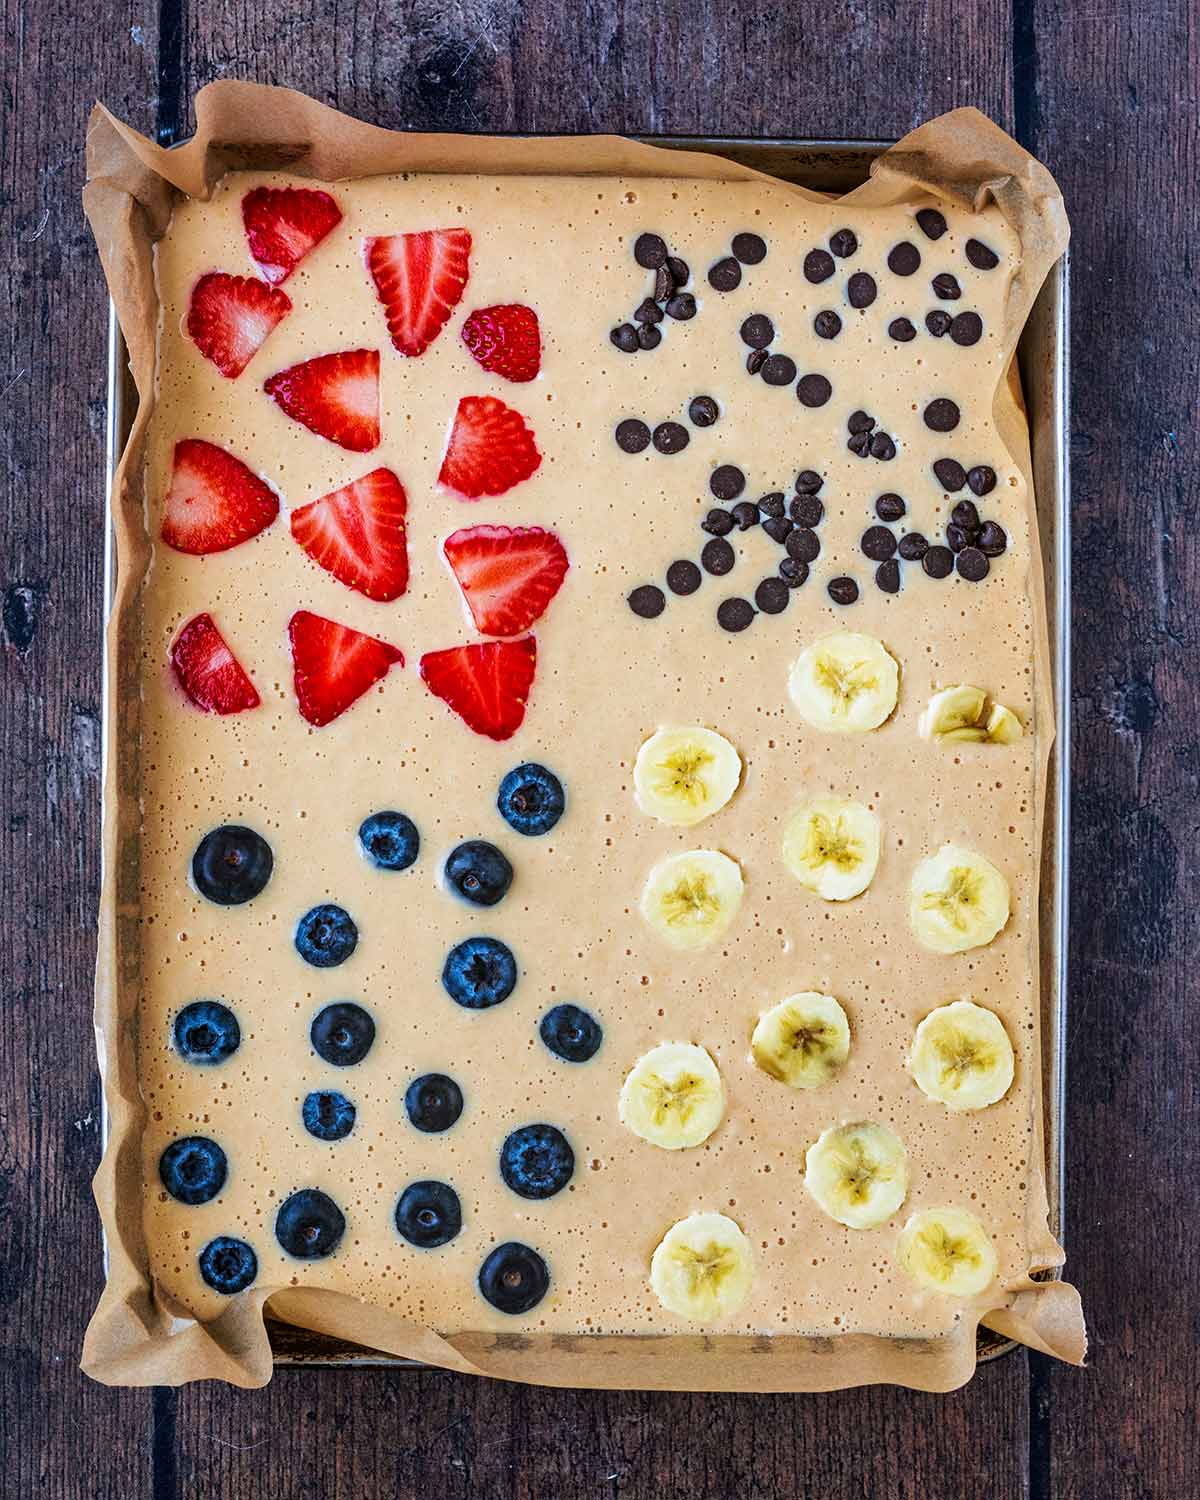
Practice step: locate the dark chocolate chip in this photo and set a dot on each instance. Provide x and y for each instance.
(648, 312)
(771, 596)
(702, 411)
(723, 277)
(965, 515)
(942, 415)
(734, 614)
(808, 482)
(889, 507)
(650, 251)
(664, 284)
(967, 329)
(956, 537)
(803, 544)
(913, 546)
(632, 436)
(813, 390)
(806, 510)
(681, 307)
(859, 421)
(647, 601)
(860, 443)
(938, 562)
(878, 543)
(648, 336)
(745, 514)
(939, 322)
(843, 590)
(843, 243)
(827, 325)
(625, 338)
(779, 369)
(818, 266)
(717, 557)
(757, 331)
(683, 577)
(861, 290)
(972, 565)
(981, 257)
(717, 523)
(887, 576)
(982, 479)
(679, 269)
(902, 330)
(933, 224)
(750, 249)
(773, 504)
(778, 528)
(946, 287)
(904, 259)
(671, 437)
(793, 572)
(950, 474)
(755, 360)
(993, 539)
(883, 447)
(727, 481)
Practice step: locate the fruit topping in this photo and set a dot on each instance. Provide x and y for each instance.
(420, 279)
(691, 898)
(325, 937)
(803, 1041)
(490, 449)
(508, 574)
(536, 1161)
(433, 1102)
(230, 317)
(957, 900)
(193, 1169)
(513, 1278)
(389, 840)
(335, 395)
(214, 501)
(858, 1174)
(478, 871)
(328, 1115)
(479, 972)
(334, 665)
(231, 865)
(284, 224)
(947, 1250)
(487, 684)
(682, 776)
(309, 1224)
(962, 1057)
(831, 845)
(357, 534)
(206, 1032)
(703, 1268)
(845, 683)
(342, 1033)
(506, 340)
(207, 670)
(428, 1214)
(571, 1032)
(227, 1265)
(673, 1096)
(531, 799)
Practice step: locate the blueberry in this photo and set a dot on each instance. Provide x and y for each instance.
(531, 799)
(228, 1265)
(428, 1214)
(326, 936)
(434, 1102)
(232, 864)
(193, 1169)
(389, 840)
(479, 972)
(328, 1115)
(309, 1224)
(479, 872)
(537, 1161)
(571, 1033)
(206, 1032)
(342, 1033)
(514, 1278)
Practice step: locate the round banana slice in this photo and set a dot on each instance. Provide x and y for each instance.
(682, 776)
(703, 1268)
(673, 1097)
(803, 1040)
(947, 1250)
(957, 900)
(845, 683)
(857, 1173)
(831, 846)
(962, 1057)
(955, 711)
(690, 899)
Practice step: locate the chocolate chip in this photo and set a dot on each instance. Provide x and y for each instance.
(681, 307)
(803, 544)
(889, 507)
(938, 562)
(904, 258)
(727, 481)
(818, 266)
(843, 590)
(671, 437)
(827, 325)
(965, 515)
(967, 329)
(938, 322)
(878, 543)
(750, 249)
(950, 474)
(860, 443)
(933, 224)
(972, 565)
(956, 537)
(859, 421)
(734, 614)
(648, 312)
(757, 331)
(843, 242)
(793, 572)
(625, 338)
(717, 557)
(813, 390)
(647, 601)
(913, 546)
(993, 539)
(946, 287)
(941, 415)
(745, 514)
(981, 257)
(702, 411)
(882, 447)
(902, 330)
(679, 269)
(982, 480)
(683, 577)
(717, 523)
(755, 360)
(779, 369)
(664, 283)
(771, 596)
(861, 290)
(723, 277)
(772, 504)
(648, 336)
(650, 251)
(806, 510)
(632, 436)
(778, 528)
(887, 576)
(808, 482)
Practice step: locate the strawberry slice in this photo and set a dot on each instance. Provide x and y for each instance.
(230, 317)
(505, 340)
(214, 501)
(284, 224)
(357, 534)
(508, 574)
(208, 671)
(486, 684)
(334, 665)
(490, 449)
(420, 279)
(335, 395)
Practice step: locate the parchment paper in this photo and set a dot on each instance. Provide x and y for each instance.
(138, 1335)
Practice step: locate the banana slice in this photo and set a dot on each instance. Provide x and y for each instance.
(959, 714)
(857, 1173)
(703, 1268)
(962, 1057)
(845, 683)
(947, 1250)
(803, 1040)
(1003, 726)
(682, 776)
(673, 1097)
(957, 900)
(831, 846)
(690, 899)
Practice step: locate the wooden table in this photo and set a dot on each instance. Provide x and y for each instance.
(1106, 94)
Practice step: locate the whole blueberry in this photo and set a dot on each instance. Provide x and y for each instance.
(571, 1033)
(479, 872)
(232, 864)
(479, 972)
(228, 1265)
(342, 1033)
(193, 1169)
(206, 1032)
(434, 1102)
(536, 1161)
(326, 936)
(428, 1214)
(328, 1115)
(531, 799)
(514, 1278)
(389, 840)
(309, 1224)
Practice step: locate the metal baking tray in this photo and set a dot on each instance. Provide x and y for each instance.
(835, 166)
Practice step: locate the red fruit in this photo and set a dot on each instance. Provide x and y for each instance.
(230, 317)
(505, 340)
(214, 501)
(420, 279)
(334, 665)
(490, 449)
(283, 225)
(208, 671)
(357, 534)
(486, 684)
(335, 395)
(508, 575)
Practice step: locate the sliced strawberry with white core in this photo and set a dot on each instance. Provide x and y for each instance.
(420, 279)
(357, 534)
(506, 340)
(214, 501)
(334, 665)
(335, 395)
(207, 670)
(508, 574)
(490, 449)
(487, 684)
(284, 224)
(229, 318)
